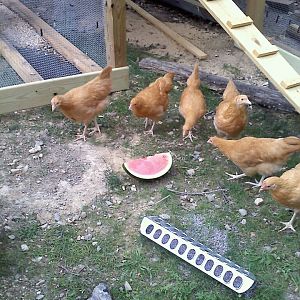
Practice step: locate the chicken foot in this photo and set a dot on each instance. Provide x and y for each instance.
(235, 176)
(151, 130)
(289, 224)
(190, 136)
(146, 122)
(96, 128)
(83, 135)
(257, 183)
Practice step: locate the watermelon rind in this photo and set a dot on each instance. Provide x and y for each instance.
(152, 176)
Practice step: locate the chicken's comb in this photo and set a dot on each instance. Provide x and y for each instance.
(198, 255)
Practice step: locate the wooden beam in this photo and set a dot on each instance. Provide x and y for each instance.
(35, 94)
(75, 56)
(168, 31)
(116, 44)
(239, 23)
(21, 66)
(256, 10)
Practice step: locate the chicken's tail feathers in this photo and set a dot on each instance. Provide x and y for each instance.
(105, 73)
(166, 83)
(194, 80)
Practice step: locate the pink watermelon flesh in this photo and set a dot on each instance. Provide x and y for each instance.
(149, 165)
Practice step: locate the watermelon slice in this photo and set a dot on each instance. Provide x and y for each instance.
(149, 167)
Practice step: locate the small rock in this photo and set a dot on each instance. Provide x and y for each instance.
(98, 248)
(244, 221)
(39, 143)
(57, 217)
(227, 227)
(11, 237)
(108, 203)
(94, 243)
(39, 297)
(24, 247)
(297, 254)
(127, 286)
(210, 197)
(37, 259)
(7, 228)
(83, 215)
(267, 248)
(88, 237)
(190, 172)
(78, 238)
(35, 149)
(165, 216)
(243, 212)
(133, 188)
(258, 201)
(99, 223)
(100, 292)
(253, 234)
(150, 203)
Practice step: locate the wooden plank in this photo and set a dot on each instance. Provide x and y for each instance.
(35, 94)
(287, 84)
(22, 67)
(265, 51)
(249, 38)
(116, 32)
(256, 10)
(80, 60)
(240, 23)
(168, 31)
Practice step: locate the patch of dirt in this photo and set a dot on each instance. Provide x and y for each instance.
(224, 58)
(56, 182)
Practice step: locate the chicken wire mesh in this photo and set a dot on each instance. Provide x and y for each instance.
(281, 22)
(80, 22)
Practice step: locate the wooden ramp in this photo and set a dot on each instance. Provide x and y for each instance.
(265, 55)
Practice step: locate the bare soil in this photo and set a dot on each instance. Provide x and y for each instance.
(224, 58)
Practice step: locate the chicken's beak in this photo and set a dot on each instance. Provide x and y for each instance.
(261, 189)
(209, 141)
(53, 106)
(130, 108)
(249, 104)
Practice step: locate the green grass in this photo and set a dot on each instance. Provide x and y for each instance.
(125, 255)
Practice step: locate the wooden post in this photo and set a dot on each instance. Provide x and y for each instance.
(256, 10)
(116, 45)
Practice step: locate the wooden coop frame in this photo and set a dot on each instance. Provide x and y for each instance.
(35, 91)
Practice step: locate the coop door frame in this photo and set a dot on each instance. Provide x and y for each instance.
(39, 93)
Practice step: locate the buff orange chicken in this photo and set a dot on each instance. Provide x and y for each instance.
(192, 104)
(83, 104)
(285, 190)
(152, 102)
(263, 156)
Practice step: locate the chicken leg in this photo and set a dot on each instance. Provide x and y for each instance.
(235, 176)
(151, 130)
(256, 183)
(146, 122)
(96, 128)
(83, 135)
(289, 224)
(190, 135)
